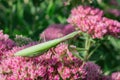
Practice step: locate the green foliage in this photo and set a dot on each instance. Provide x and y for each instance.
(30, 17)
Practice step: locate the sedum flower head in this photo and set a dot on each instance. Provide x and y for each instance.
(56, 31)
(115, 76)
(93, 71)
(115, 12)
(91, 21)
(106, 78)
(55, 64)
(5, 43)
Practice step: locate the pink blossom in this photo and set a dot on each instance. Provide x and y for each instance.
(56, 63)
(92, 71)
(91, 21)
(115, 76)
(5, 43)
(115, 12)
(106, 78)
(114, 2)
(66, 73)
(56, 77)
(56, 31)
(49, 66)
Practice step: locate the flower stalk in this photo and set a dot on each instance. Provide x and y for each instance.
(87, 47)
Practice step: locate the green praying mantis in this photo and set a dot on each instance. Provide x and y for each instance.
(39, 49)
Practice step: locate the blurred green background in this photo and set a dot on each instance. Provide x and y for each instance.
(31, 17)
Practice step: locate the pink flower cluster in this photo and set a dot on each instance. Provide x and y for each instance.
(106, 78)
(91, 21)
(5, 43)
(115, 76)
(56, 31)
(114, 2)
(115, 12)
(91, 70)
(58, 63)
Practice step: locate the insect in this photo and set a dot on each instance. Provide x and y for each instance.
(40, 48)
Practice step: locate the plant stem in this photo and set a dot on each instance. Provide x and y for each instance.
(81, 49)
(87, 47)
(92, 52)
